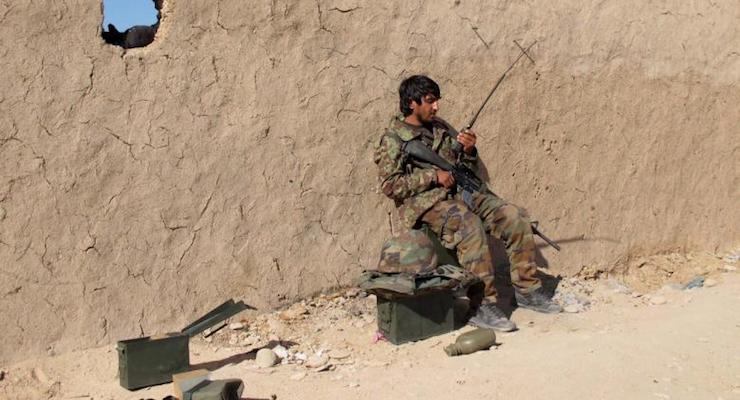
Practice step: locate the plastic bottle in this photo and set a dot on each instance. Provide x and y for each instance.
(470, 342)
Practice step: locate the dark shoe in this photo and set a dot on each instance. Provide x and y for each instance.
(537, 301)
(491, 317)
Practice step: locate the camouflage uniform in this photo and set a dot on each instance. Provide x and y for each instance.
(420, 199)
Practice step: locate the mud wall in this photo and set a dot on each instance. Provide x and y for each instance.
(232, 157)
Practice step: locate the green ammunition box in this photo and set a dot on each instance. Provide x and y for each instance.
(410, 318)
(224, 389)
(153, 360)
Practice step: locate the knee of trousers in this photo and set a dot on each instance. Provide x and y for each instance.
(514, 221)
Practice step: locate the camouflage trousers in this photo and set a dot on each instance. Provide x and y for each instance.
(466, 230)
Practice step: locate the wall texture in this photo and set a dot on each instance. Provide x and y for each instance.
(232, 157)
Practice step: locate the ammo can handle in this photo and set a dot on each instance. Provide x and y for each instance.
(218, 314)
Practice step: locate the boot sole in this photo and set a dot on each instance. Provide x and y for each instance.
(472, 321)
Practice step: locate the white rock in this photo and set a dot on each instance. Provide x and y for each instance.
(710, 282)
(237, 326)
(657, 300)
(280, 351)
(353, 385)
(317, 361)
(266, 358)
(298, 376)
(729, 268)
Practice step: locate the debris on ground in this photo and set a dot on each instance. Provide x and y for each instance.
(574, 294)
(697, 282)
(306, 335)
(733, 257)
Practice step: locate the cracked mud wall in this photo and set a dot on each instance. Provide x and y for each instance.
(232, 157)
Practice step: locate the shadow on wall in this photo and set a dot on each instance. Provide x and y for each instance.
(135, 36)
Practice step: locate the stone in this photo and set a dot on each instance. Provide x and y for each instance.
(2, 375)
(299, 376)
(710, 282)
(295, 311)
(697, 282)
(237, 326)
(266, 358)
(376, 363)
(3, 213)
(339, 354)
(317, 361)
(280, 351)
(657, 300)
(573, 308)
(353, 385)
(729, 268)
(326, 367)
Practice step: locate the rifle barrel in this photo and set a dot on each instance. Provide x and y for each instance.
(501, 79)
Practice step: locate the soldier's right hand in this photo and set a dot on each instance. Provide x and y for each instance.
(445, 179)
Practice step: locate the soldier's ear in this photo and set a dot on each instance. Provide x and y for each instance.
(413, 104)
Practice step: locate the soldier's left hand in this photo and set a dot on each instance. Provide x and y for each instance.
(467, 139)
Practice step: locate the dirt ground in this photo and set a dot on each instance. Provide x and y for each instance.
(635, 337)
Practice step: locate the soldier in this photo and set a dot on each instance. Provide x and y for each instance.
(426, 195)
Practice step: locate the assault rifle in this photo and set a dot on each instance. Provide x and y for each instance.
(467, 181)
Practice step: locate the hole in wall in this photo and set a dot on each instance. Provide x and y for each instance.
(130, 23)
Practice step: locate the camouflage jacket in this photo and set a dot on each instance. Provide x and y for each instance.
(415, 189)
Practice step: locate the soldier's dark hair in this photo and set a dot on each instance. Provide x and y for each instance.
(414, 88)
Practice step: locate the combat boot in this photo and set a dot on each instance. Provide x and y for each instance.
(537, 301)
(491, 317)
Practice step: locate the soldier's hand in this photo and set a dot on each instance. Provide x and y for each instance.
(445, 179)
(467, 139)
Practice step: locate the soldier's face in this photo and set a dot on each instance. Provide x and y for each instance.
(428, 108)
